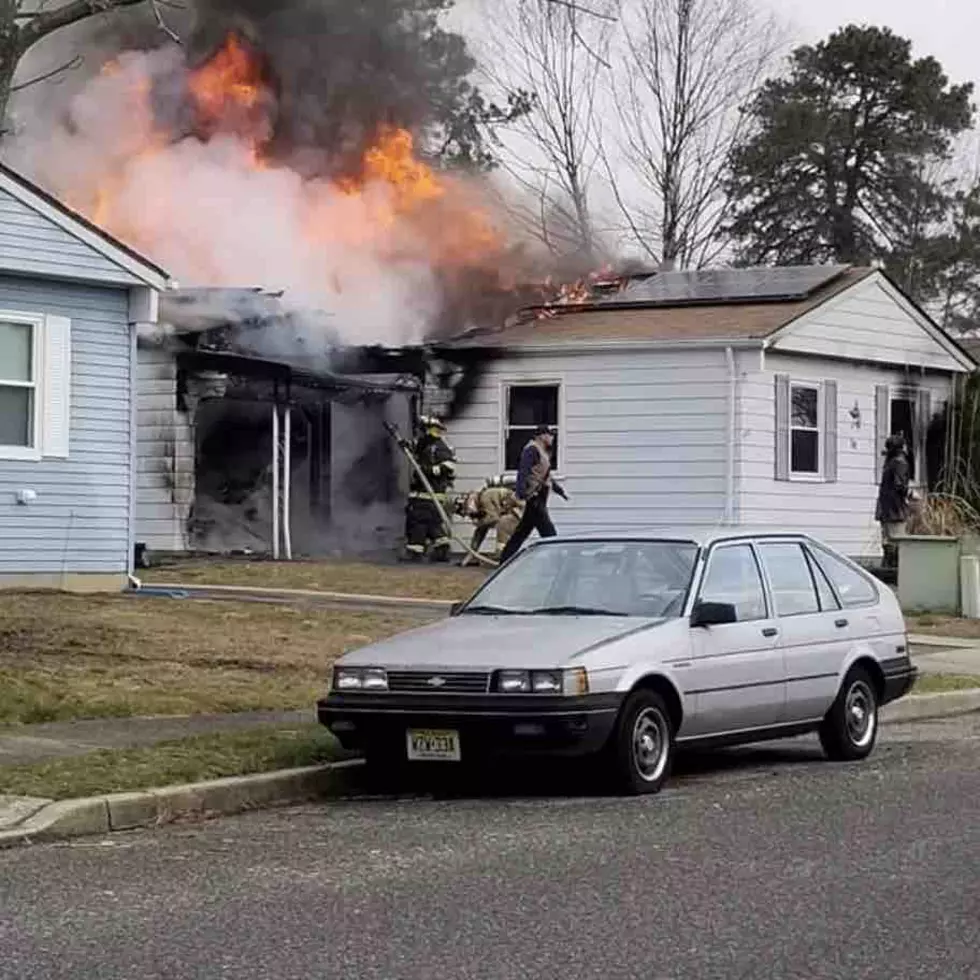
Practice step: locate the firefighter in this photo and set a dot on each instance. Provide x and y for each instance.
(493, 507)
(424, 527)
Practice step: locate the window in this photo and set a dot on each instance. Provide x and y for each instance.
(529, 406)
(18, 385)
(790, 580)
(733, 577)
(828, 601)
(804, 430)
(853, 587)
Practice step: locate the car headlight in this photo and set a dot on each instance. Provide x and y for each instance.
(360, 679)
(573, 682)
(546, 682)
(514, 682)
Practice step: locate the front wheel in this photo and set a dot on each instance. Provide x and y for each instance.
(850, 729)
(643, 744)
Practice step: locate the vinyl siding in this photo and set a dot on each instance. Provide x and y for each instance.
(80, 520)
(867, 323)
(32, 244)
(841, 513)
(642, 436)
(165, 454)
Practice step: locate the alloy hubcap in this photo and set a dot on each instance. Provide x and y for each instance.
(860, 714)
(651, 744)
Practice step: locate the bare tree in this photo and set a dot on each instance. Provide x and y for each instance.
(688, 67)
(23, 23)
(556, 50)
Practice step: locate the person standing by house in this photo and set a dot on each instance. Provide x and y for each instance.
(424, 526)
(494, 507)
(534, 483)
(892, 510)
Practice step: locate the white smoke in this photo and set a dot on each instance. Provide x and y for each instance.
(210, 217)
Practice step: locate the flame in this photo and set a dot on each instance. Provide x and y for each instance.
(395, 207)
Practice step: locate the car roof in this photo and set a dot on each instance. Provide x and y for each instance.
(702, 537)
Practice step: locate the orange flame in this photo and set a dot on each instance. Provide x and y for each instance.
(397, 205)
(230, 81)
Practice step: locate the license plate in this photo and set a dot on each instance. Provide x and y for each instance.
(433, 745)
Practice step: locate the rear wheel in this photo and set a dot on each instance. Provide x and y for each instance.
(850, 729)
(642, 747)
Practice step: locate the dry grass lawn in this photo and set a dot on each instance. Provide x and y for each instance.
(187, 760)
(67, 656)
(410, 581)
(942, 683)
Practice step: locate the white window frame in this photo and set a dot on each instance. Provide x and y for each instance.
(505, 426)
(35, 321)
(816, 476)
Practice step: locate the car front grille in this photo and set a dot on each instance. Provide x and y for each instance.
(438, 682)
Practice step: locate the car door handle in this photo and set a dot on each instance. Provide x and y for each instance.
(770, 631)
(840, 623)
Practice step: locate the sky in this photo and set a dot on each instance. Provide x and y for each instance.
(949, 30)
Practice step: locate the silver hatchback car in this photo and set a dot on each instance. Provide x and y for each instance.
(633, 647)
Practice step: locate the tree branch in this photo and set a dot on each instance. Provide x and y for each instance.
(569, 5)
(52, 20)
(75, 62)
(162, 24)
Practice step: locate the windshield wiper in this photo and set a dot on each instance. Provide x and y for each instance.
(573, 611)
(490, 611)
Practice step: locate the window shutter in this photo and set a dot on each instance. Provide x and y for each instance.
(56, 387)
(882, 405)
(923, 416)
(782, 427)
(830, 431)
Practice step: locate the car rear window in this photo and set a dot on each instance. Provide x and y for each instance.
(853, 587)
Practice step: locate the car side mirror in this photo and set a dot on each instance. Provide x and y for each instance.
(713, 614)
(456, 608)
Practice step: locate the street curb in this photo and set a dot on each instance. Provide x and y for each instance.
(179, 591)
(924, 707)
(149, 808)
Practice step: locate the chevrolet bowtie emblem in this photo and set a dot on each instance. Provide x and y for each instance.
(436, 681)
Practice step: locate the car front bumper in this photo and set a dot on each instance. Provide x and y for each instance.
(487, 724)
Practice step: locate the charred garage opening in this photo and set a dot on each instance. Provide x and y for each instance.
(261, 434)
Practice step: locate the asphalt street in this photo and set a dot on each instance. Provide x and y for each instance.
(755, 864)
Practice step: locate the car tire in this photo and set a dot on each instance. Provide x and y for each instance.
(850, 729)
(642, 746)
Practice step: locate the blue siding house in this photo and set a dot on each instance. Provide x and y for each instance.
(71, 300)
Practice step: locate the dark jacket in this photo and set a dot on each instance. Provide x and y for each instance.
(533, 471)
(438, 461)
(893, 491)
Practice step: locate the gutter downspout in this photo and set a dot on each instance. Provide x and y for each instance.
(729, 518)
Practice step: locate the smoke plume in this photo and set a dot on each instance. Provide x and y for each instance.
(282, 146)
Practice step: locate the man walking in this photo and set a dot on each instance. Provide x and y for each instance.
(534, 483)
(892, 510)
(423, 523)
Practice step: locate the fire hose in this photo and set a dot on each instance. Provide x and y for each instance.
(444, 517)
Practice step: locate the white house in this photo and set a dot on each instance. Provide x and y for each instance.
(750, 396)
(71, 298)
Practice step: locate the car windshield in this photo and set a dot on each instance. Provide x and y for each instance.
(615, 578)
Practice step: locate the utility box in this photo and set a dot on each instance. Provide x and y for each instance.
(929, 573)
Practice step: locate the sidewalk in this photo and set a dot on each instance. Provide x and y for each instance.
(945, 654)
